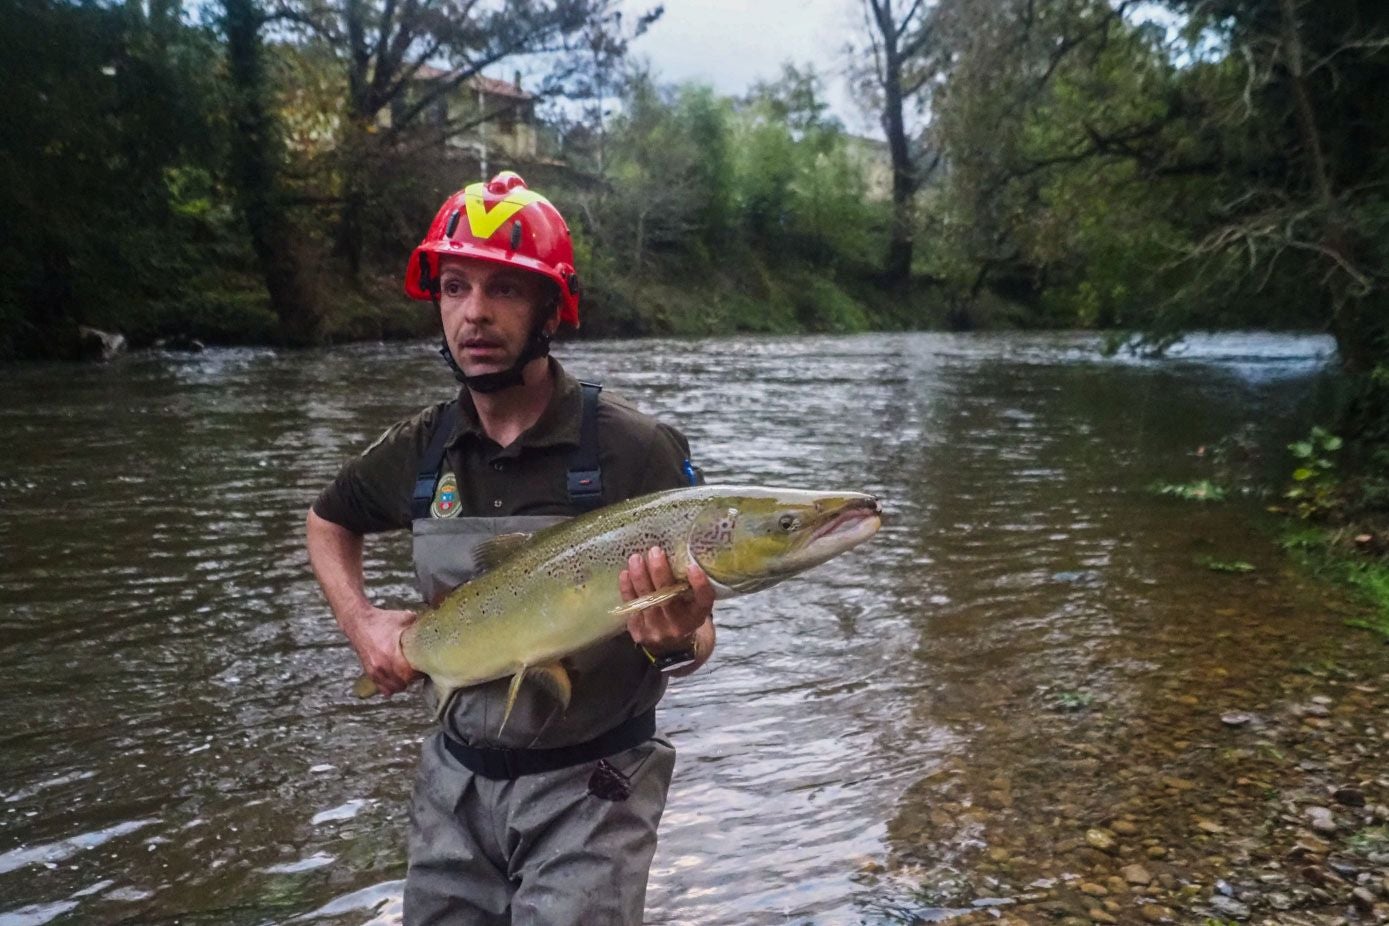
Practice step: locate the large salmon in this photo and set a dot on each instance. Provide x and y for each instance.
(543, 596)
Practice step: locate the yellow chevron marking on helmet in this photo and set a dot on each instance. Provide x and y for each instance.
(484, 222)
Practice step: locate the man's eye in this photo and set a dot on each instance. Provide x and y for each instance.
(453, 287)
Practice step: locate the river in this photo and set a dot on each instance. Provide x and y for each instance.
(875, 742)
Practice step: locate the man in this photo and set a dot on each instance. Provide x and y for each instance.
(554, 820)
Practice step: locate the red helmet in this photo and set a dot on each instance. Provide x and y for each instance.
(503, 222)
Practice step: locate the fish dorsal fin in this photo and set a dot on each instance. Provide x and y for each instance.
(494, 551)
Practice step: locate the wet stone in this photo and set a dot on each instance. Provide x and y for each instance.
(1322, 820)
(1100, 839)
(998, 800)
(1302, 851)
(1364, 900)
(1315, 875)
(1152, 913)
(1092, 889)
(1228, 906)
(1136, 874)
(1100, 916)
(1351, 797)
(1343, 868)
(1123, 827)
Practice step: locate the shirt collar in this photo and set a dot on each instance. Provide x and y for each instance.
(557, 426)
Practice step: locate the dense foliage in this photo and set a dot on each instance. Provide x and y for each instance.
(1142, 168)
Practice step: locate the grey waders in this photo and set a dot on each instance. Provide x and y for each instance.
(492, 839)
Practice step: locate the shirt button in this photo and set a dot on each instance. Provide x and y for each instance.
(499, 466)
(496, 503)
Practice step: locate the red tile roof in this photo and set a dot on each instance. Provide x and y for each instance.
(486, 84)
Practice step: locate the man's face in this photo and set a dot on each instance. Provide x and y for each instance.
(487, 311)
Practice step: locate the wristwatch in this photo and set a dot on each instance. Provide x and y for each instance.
(667, 663)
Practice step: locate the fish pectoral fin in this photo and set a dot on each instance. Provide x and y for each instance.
(443, 694)
(364, 687)
(511, 694)
(554, 678)
(659, 596)
(494, 551)
(551, 676)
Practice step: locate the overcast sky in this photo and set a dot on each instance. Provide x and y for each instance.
(732, 43)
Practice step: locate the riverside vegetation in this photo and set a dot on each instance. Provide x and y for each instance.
(248, 172)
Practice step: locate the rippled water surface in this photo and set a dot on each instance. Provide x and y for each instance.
(179, 744)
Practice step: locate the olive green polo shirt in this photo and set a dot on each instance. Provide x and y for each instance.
(637, 453)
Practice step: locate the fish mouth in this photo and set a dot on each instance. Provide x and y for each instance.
(853, 523)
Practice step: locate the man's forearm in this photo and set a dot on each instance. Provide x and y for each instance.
(703, 648)
(336, 556)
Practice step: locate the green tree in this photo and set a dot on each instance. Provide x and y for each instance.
(384, 46)
(256, 159)
(95, 131)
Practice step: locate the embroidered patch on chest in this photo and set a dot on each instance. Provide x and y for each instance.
(446, 504)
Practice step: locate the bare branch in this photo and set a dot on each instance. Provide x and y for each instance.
(1371, 45)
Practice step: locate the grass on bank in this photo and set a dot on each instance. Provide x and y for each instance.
(751, 297)
(1325, 553)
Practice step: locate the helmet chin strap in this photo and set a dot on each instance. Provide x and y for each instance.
(537, 345)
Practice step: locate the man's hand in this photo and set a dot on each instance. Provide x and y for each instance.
(375, 635)
(336, 555)
(668, 627)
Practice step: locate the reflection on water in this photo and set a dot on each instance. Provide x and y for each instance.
(178, 739)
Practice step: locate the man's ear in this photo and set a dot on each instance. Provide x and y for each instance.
(552, 323)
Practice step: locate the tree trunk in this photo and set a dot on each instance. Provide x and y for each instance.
(254, 175)
(897, 266)
(360, 115)
(348, 239)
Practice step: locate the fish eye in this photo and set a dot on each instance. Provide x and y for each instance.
(787, 522)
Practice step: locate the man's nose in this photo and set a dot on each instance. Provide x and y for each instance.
(476, 307)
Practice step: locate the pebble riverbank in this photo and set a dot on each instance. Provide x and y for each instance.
(1251, 784)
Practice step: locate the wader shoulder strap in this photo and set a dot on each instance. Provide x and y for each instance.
(585, 478)
(585, 475)
(432, 460)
